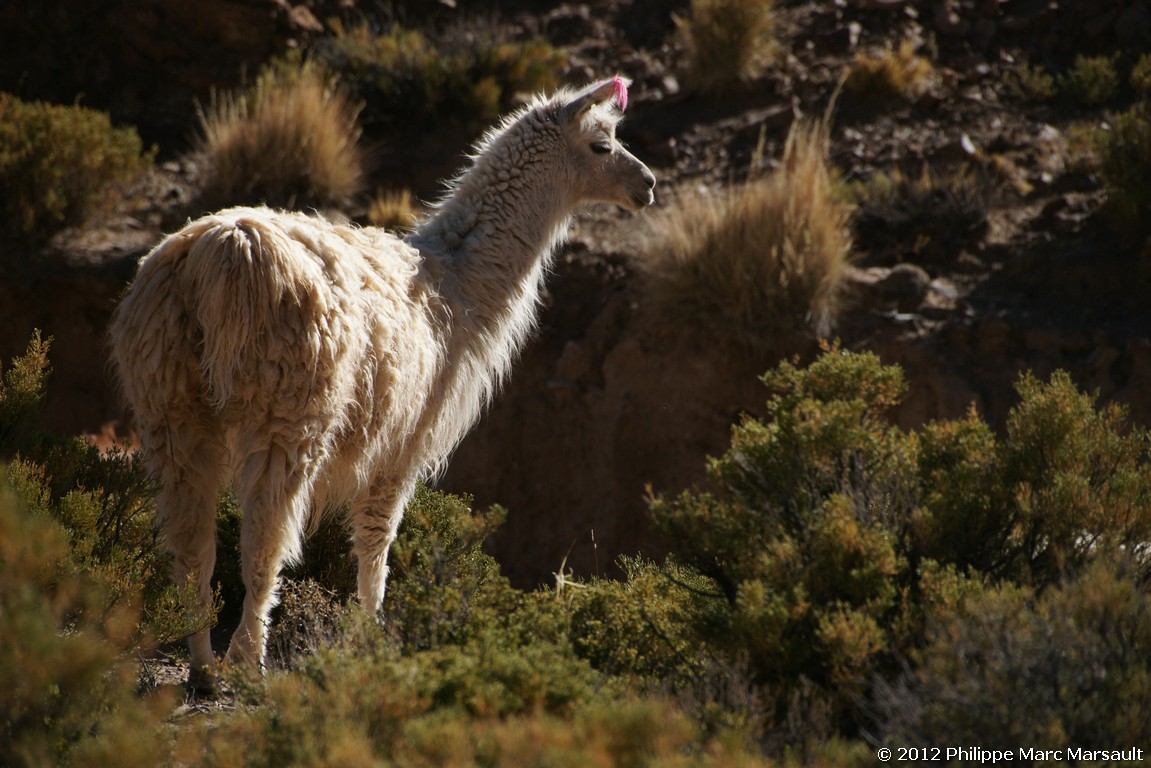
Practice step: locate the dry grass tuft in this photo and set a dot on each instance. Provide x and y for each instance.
(727, 41)
(929, 216)
(891, 72)
(291, 141)
(393, 210)
(765, 255)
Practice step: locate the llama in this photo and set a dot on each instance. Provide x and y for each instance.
(311, 364)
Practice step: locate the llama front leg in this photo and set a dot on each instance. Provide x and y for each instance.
(375, 521)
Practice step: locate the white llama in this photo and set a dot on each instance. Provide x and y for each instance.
(312, 364)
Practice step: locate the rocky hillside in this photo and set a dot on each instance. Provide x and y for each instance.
(611, 396)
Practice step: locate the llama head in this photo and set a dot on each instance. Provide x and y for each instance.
(602, 169)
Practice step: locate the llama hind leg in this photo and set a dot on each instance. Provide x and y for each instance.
(375, 521)
(189, 465)
(192, 542)
(274, 497)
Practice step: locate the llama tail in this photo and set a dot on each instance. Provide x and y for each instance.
(243, 276)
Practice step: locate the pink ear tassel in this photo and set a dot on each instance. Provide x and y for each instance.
(620, 94)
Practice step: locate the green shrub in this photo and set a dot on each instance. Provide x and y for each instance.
(1009, 669)
(1068, 484)
(356, 711)
(104, 500)
(110, 518)
(56, 163)
(1140, 77)
(804, 539)
(467, 76)
(443, 586)
(647, 625)
(443, 589)
(727, 41)
(1078, 478)
(838, 576)
(831, 541)
(1033, 83)
(963, 519)
(1125, 161)
(824, 439)
(290, 141)
(1092, 80)
(21, 391)
(67, 692)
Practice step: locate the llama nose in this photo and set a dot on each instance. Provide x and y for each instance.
(649, 178)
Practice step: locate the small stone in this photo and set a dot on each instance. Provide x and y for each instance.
(906, 286)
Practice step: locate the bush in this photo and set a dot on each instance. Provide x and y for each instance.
(892, 72)
(104, 501)
(1125, 162)
(1092, 80)
(1014, 670)
(825, 440)
(768, 254)
(56, 163)
(804, 540)
(1068, 485)
(1078, 480)
(727, 41)
(444, 588)
(1032, 82)
(290, 141)
(21, 391)
(646, 626)
(963, 519)
(929, 216)
(830, 542)
(838, 576)
(362, 711)
(466, 76)
(67, 693)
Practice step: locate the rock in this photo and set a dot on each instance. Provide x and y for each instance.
(905, 286)
(993, 338)
(948, 21)
(569, 24)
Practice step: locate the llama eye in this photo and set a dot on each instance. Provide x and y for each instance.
(601, 147)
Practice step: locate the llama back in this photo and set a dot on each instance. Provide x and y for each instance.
(241, 291)
(279, 324)
(251, 285)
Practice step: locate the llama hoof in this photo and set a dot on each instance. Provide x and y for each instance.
(203, 683)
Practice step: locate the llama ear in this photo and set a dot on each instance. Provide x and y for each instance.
(614, 89)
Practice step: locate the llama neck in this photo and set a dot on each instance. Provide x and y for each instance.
(485, 255)
(490, 243)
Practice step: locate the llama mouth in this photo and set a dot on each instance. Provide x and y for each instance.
(642, 199)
